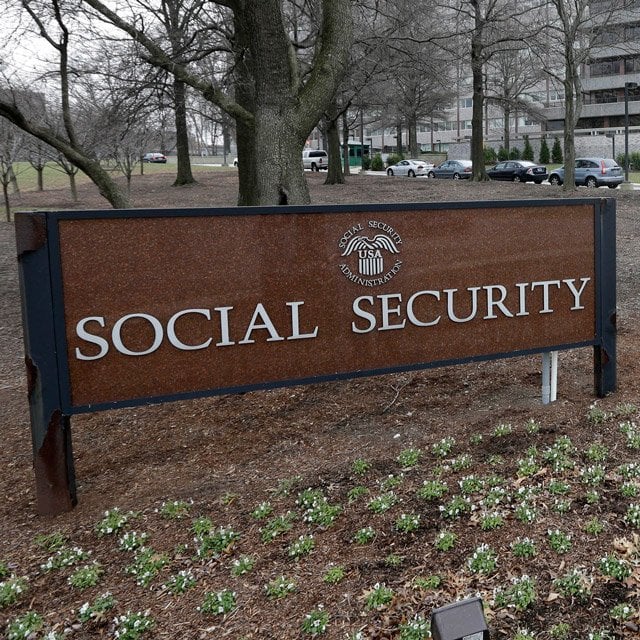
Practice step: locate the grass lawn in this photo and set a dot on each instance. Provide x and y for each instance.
(55, 178)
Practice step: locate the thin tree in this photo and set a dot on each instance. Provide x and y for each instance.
(510, 76)
(38, 155)
(55, 31)
(11, 142)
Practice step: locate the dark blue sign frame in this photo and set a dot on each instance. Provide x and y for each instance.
(38, 246)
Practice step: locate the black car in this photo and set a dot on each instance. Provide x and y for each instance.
(518, 171)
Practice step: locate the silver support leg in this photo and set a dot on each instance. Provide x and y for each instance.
(546, 378)
(549, 377)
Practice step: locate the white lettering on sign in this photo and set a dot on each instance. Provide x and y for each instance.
(117, 339)
(386, 311)
(260, 321)
(347, 235)
(83, 334)
(171, 330)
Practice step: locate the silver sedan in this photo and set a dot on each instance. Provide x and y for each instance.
(411, 168)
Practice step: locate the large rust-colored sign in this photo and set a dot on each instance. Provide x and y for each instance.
(156, 305)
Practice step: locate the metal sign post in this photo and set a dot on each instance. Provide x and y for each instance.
(50, 428)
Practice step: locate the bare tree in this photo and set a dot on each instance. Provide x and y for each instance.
(11, 142)
(62, 164)
(273, 105)
(510, 76)
(409, 75)
(486, 28)
(273, 108)
(574, 27)
(38, 155)
(52, 24)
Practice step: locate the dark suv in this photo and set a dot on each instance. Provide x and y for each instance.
(592, 172)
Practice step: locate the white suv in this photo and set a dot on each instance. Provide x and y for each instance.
(315, 159)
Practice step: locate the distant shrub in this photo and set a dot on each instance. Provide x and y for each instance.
(490, 155)
(634, 160)
(515, 154)
(366, 162)
(393, 158)
(377, 163)
(527, 152)
(556, 152)
(545, 155)
(503, 154)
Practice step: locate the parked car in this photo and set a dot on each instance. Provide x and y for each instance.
(411, 168)
(592, 172)
(315, 159)
(455, 169)
(519, 171)
(154, 157)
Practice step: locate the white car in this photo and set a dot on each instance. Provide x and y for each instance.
(315, 159)
(411, 168)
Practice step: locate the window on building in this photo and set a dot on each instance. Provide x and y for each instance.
(632, 65)
(603, 97)
(465, 103)
(608, 35)
(632, 32)
(556, 96)
(605, 68)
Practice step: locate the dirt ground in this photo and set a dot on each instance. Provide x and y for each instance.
(220, 458)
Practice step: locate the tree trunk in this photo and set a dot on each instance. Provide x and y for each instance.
(40, 175)
(414, 151)
(73, 187)
(278, 134)
(346, 159)
(569, 139)
(284, 112)
(280, 181)
(572, 107)
(184, 174)
(245, 97)
(399, 139)
(7, 206)
(14, 180)
(334, 173)
(477, 113)
(507, 130)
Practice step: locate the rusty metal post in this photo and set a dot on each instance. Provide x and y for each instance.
(50, 429)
